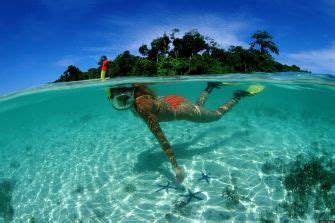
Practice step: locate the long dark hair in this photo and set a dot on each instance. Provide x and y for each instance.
(142, 89)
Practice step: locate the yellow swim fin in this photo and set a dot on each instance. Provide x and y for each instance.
(254, 89)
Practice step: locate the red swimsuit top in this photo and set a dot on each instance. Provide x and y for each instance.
(174, 100)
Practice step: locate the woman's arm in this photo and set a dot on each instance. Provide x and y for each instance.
(155, 128)
(144, 107)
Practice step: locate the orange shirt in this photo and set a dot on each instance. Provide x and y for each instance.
(104, 65)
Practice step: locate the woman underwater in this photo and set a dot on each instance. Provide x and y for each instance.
(153, 109)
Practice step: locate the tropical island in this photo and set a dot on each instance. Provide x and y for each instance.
(191, 54)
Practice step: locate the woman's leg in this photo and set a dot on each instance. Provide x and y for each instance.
(195, 113)
(202, 98)
(204, 94)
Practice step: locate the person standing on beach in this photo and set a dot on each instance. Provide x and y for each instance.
(103, 62)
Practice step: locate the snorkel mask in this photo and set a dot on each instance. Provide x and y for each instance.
(122, 98)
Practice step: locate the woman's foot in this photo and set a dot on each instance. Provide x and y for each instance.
(238, 94)
(252, 90)
(212, 85)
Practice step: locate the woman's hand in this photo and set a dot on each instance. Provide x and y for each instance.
(180, 174)
(212, 85)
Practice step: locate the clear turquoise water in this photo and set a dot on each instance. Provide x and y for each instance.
(67, 156)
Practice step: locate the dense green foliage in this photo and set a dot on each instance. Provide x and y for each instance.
(191, 54)
(73, 74)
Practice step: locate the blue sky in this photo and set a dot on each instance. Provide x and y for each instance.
(40, 38)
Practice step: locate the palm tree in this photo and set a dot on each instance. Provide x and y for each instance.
(161, 44)
(143, 50)
(264, 41)
(165, 44)
(175, 30)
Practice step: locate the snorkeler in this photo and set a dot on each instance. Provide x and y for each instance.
(103, 62)
(153, 109)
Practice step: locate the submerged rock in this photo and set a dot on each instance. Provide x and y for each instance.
(14, 164)
(79, 189)
(266, 216)
(181, 208)
(309, 183)
(129, 188)
(86, 118)
(233, 195)
(6, 208)
(28, 148)
(267, 167)
(307, 175)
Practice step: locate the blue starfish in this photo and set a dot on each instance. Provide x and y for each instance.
(166, 187)
(192, 195)
(205, 177)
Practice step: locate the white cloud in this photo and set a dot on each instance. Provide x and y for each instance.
(133, 32)
(317, 61)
